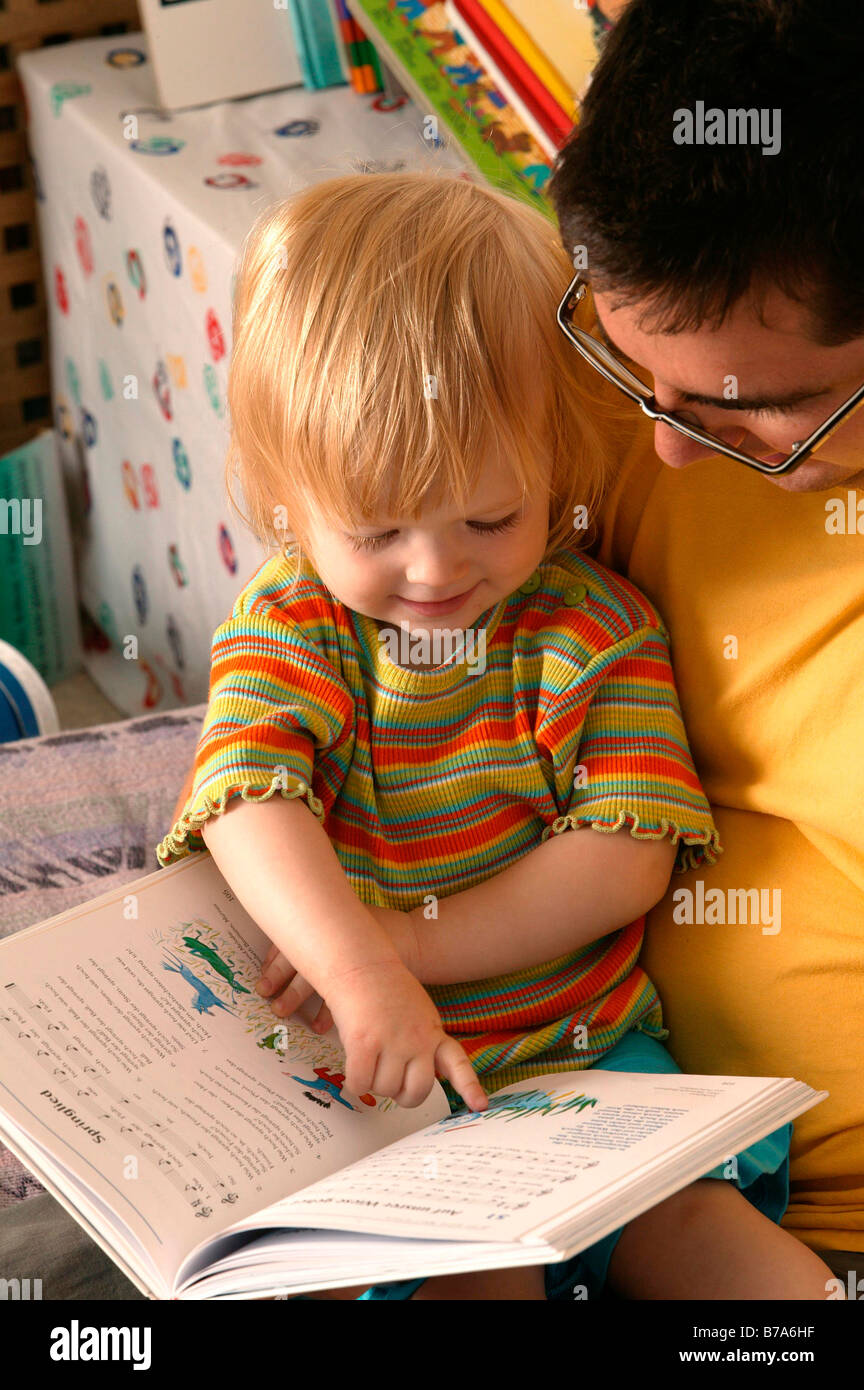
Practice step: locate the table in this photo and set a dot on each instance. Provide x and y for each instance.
(141, 216)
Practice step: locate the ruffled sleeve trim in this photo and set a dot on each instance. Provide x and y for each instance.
(696, 848)
(182, 838)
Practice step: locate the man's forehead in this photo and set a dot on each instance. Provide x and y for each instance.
(765, 348)
(764, 307)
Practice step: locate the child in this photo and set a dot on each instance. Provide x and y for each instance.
(443, 764)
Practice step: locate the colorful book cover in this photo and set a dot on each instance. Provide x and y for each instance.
(548, 121)
(560, 33)
(515, 36)
(444, 78)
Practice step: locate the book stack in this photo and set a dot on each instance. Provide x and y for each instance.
(503, 77)
(332, 48)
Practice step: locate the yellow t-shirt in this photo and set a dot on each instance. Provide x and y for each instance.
(763, 596)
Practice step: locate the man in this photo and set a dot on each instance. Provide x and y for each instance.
(713, 197)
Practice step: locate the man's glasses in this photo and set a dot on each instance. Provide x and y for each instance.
(615, 372)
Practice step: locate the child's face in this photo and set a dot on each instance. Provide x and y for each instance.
(443, 569)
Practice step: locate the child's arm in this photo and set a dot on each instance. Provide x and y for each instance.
(570, 890)
(283, 868)
(280, 863)
(620, 714)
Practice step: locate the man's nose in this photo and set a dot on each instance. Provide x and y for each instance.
(678, 450)
(675, 448)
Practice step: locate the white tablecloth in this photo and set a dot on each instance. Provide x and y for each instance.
(140, 231)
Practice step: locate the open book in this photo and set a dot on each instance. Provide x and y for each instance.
(214, 1152)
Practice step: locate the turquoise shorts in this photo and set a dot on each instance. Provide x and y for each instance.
(763, 1177)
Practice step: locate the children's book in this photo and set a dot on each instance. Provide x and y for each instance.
(215, 1153)
(458, 97)
(540, 112)
(551, 34)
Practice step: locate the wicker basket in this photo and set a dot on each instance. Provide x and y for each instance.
(25, 383)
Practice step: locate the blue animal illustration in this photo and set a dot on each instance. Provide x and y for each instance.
(205, 999)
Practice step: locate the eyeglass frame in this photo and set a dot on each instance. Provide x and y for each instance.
(647, 401)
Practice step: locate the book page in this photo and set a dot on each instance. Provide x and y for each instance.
(136, 1052)
(545, 1148)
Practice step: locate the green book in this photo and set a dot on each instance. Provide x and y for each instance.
(450, 85)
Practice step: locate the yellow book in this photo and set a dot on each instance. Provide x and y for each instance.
(539, 28)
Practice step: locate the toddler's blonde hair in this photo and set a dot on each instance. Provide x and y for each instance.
(388, 330)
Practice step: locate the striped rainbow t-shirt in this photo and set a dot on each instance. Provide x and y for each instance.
(428, 781)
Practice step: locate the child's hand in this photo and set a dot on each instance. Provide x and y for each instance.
(393, 1039)
(280, 982)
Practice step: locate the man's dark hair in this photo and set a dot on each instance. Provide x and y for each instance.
(687, 227)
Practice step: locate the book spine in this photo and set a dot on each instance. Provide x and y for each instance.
(364, 73)
(547, 141)
(516, 35)
(555, 120)
(318, 43)
(361, 49)
(337, 14)
(297, 26)
(346, 32)
(323, 30)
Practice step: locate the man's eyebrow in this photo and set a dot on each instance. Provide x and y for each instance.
(787, 398)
